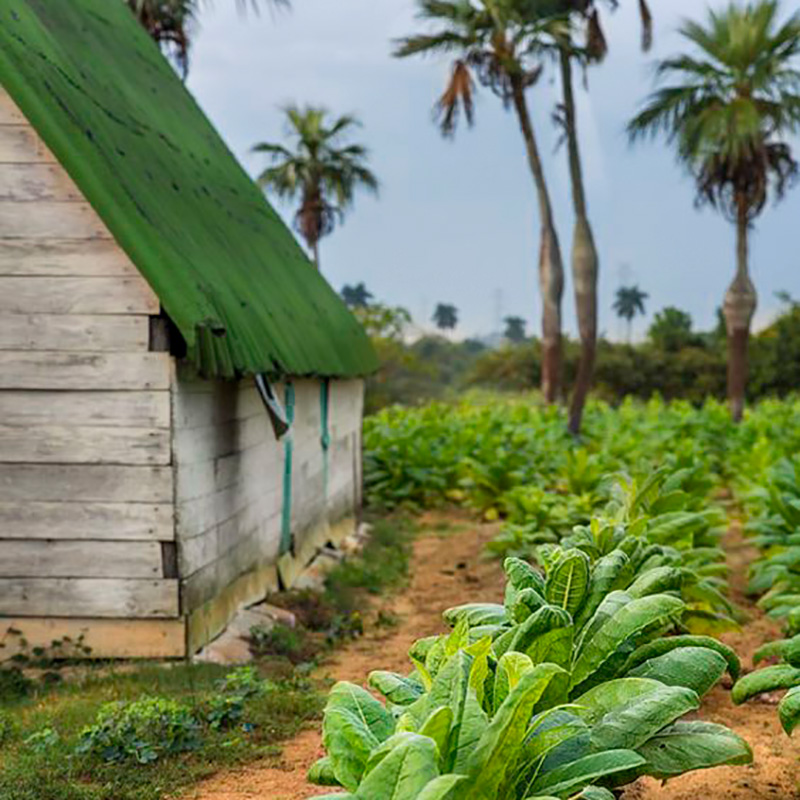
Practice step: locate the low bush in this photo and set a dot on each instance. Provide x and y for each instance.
(142, 731)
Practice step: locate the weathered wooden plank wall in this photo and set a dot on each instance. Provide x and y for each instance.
(86, 484)
(229, 471)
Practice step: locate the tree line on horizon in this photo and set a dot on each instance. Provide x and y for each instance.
(728, 106)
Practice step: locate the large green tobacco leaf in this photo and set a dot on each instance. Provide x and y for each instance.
(554, 738)
(578, 774)
(660, 647)
(321, 773)
(686, 746)
(697, 668)
(494, 758)
(441, 788)
(476, 614)
(568, 581)
(630, 726)
(610, 573)
(510, 669)
(545, 636)
(521, 575)
(404, 772)
(438, 726)
(624, 625)
(609, 606)
(780, 676)
(335, 796)
(655, 581)
(526, 602)
(354, 724)
(612, 696)
(451, 689)
(789, 710)
(395, 688)
(787, 649)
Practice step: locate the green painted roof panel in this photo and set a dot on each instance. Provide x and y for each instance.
(226, 268)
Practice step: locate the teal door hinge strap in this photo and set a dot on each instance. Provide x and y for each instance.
(288, 447)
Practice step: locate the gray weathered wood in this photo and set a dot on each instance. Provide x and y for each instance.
(34, 182)
(19, 144)
(128, 409)
(9, 110)
(95, 371)
(74, 333)
(51, 220)
(85, 483)
(84, 445)
(79, 559)
(53, 257)
(87, 520)
(38, 295)
(88, 597)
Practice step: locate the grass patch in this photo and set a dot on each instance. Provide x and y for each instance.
(41, 733)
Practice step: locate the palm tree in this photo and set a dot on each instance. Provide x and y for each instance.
(357, 296)
(170, 23)
(584, 16)
(499, 43)
(629, 303)
(319, 168)
(515, 329)
(729, 108)
(445, 317)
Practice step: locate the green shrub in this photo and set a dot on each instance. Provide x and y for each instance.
(141, 731)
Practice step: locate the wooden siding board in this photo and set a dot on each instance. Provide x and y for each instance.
(90, 371)
(31, 183)
(51, 220)
(83, 409)
(85, 483)
(75, 333)
(125, 521)
(64, 257)
(88, 597)
(79, 559)
(84, 295)
(19, 144)
(115, 638)
(84, 445)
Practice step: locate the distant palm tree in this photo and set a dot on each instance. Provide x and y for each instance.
(445, 317)
(730, 109)
(629, 303)
(501, 43)
(583, 41)
(170, 22)
(515, 329)
(319, 168)
(357, 296)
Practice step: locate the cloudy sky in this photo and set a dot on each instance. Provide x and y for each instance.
(456, 220)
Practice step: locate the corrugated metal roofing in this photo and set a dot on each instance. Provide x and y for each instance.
(226, 268)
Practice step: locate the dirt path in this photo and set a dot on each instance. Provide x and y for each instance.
(775, 771)
(447, 569)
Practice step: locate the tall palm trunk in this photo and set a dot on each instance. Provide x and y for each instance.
(551, 266)
(585, 261)
(315, 252)
(739, 308)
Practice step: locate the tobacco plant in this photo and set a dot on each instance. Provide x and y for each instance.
(564, 685)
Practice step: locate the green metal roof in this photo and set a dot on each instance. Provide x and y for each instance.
(227, 270)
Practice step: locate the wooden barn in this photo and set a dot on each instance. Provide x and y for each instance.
(180, 390)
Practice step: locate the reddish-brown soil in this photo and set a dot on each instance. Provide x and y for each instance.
(448, 568)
